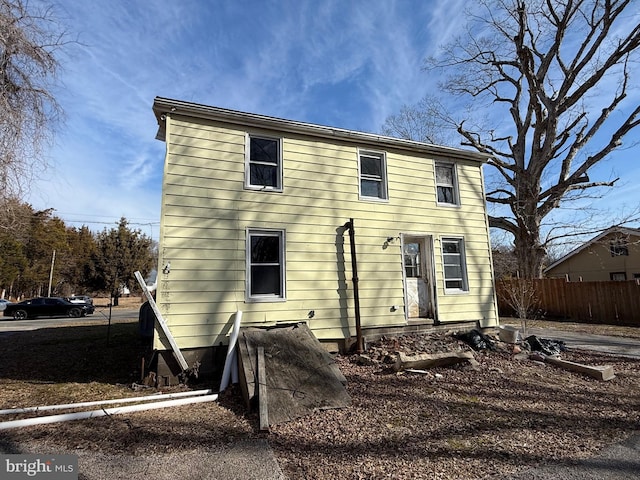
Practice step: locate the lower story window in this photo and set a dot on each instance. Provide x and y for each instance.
(618, 276)
(265, 265)
(455, 269)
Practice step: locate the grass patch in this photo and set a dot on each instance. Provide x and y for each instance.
(67, 364)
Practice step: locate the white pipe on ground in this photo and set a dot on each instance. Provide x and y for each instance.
(105, 411)
(146, 398)
(226, 373)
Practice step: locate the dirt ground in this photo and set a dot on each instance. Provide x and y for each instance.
(501, 416)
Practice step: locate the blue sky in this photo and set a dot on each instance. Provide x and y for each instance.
(348, 64)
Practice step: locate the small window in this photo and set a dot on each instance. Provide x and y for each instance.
(412, 260)
(446, 184)
(455, 274)
(265, 265)
(263, 166)
(618, 276)
(373, 175)
(619, 248)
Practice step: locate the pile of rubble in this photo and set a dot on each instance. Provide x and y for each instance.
(427, 350)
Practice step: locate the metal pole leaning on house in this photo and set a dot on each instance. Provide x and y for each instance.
(231, 352)
(356, 294)
(165, 328)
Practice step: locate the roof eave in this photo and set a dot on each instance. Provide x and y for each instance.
(166, 106)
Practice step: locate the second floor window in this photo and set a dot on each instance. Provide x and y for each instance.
(373, 175)
(446, 184)
(263, 168)
(619, 248)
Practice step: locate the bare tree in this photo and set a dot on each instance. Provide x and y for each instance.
(29, 39)
(549, 74)
(421, 122)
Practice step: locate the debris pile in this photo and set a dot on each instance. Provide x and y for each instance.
(439, 349)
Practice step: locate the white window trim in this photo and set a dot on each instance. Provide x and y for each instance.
(456, 189)
(247, 164)
(384, 179)
(463, 257)
(283, 282)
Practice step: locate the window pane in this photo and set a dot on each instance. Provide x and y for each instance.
(453, 284)
(412, 259)
(444, 175)
(445, 195)
(264, 175)
(452, 271)
(371, 188)
(265, 249)
(264, 150)
(265, 280)
(371, 166)
(450, 247)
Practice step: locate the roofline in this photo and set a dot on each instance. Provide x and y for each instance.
(575, 251)
(166, 106)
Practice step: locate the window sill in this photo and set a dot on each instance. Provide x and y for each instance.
(373, 199)
(265, 300)
(455, 292)
(256, 188)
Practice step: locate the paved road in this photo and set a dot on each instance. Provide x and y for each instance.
(100, 317)
(623, 346)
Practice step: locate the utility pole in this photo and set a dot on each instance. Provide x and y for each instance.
(53, 261)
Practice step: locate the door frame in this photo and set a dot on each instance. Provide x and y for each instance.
(429, 262)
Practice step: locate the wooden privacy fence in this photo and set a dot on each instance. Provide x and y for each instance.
(613, 303)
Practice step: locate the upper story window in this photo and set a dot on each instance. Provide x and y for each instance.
(446, 184)
(373, 175)
(265, 275)
(455, 265)
(263, 163)
(619, 248)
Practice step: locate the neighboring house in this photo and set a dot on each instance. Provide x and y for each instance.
(253, 218)
(612, 255)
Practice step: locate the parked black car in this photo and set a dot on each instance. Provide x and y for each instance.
(47, 307)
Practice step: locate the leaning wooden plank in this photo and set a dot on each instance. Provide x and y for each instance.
(263, 400)
(602, 373)
(430, 360)
(247, 371)
(165, 328)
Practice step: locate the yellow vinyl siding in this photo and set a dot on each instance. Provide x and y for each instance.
(206, 212)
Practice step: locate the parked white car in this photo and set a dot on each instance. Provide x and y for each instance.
(81, 299)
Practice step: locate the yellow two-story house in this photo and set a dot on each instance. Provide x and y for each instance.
(294, 222)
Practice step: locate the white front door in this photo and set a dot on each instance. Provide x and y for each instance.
(417, 272)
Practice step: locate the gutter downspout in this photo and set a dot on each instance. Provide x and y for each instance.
(356, 294)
